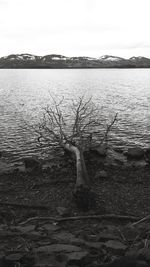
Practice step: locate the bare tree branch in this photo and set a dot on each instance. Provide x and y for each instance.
(75, 132)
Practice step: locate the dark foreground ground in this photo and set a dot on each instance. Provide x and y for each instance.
(31, 204)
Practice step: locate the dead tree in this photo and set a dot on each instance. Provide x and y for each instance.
(74, 131)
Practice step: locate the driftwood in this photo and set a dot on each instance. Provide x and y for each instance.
(98, 217)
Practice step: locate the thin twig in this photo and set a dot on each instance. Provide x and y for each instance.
(141, 220)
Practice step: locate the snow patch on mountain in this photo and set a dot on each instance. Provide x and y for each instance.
(58, 58)
(51, 57)
(110, 58)
(90, 58)
(27, 57)
(82, 58)
(136, 58)
(12, 58)
(20, 57)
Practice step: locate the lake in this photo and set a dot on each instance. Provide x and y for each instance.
(24, 92)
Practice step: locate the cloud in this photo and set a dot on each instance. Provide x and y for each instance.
(77, 26)
(3, 3)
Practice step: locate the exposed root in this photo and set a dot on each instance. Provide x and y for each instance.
(98, 217)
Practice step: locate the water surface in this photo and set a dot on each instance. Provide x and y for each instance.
(24, 92)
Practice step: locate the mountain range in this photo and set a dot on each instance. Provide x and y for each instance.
(58, 61)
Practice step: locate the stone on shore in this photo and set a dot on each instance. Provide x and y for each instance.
(79, 258)
(135, 153)
(126, 262)
(115, 245)
(101, 175)
(32, 163)
(100, 150)
(115, 158)
(147, 155)
(62, 211)
(58, 248)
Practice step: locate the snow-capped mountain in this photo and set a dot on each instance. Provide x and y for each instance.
(110, 58)
(19, 61)
(50, 58)
(24, 57)
(60, 61)
(140, 61)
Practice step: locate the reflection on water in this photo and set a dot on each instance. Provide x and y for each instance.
(23, 93)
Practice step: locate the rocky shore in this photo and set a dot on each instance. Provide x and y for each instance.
(40, 224)
(136, 156)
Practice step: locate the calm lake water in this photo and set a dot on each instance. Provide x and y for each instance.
(24, 92)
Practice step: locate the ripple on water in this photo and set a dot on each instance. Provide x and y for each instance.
(24, 92)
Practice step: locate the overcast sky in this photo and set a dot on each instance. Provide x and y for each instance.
(75, 27)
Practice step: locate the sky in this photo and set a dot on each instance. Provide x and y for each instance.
(75, 27)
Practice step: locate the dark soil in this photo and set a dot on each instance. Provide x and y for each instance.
(125, 191)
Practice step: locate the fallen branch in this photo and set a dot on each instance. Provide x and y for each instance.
(99, 217)
(141, 220)
(24, 206)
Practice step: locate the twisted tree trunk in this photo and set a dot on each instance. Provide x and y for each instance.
(82, 175)
(82, 186)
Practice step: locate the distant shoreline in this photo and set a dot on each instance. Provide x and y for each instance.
(73, 68)
(55, 61)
